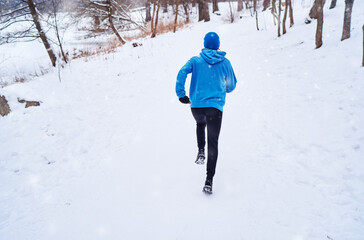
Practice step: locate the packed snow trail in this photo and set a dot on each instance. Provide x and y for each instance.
(110, 153)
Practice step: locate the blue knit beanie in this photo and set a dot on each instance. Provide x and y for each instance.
(211, 41)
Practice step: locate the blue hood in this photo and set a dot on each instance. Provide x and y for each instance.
(212, 77)
(212, 56)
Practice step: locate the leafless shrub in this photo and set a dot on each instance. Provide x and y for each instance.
(85, 53)
(3, 84)
(165, 27)
(19, 79)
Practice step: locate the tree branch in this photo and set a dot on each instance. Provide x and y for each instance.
(13, 11)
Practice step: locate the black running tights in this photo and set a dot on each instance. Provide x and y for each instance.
(210, 117)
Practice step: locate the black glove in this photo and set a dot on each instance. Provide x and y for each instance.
(184, 100)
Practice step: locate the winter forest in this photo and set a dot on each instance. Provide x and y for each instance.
(95, 143)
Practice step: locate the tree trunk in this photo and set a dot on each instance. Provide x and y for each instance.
(42, 35)
(185, 7)
(200, 10)
(291, 22)
(96, 22)
(315, 8)
(313, 11)
(246, 4)
(154, 33)
(165, 6)
(109, 17)
(152, 20)
(320, 21)
(274, 11)
(65, 58)
(284, 31)
(55, 9)
(203, 10)
(256, 20)
(363, 47)
(148, 17)
(175, 19)
(266, 4)
(206, 11)
(256, 14)
(215, 6)
(279, 17)
(333, 4)
(240, 5)
(231, 13)
(347, 19)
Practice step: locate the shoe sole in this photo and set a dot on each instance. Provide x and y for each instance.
(207, 191)
(200, 162)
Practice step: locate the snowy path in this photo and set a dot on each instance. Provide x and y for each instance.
(110, 153)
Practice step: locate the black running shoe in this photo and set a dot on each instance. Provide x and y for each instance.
(200, 160)
(208, 186)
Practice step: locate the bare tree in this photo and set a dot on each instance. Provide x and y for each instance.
(347, 19)
(55, 23)
(164, 4)
(291, 21)
(112, 13)
(320, 22)
(274, 11)
(288, 6)
(333, 4)
(175, 19)
(200, 10)
(279, 17)
(153, 16)
(154, 32)
(148, 17)
(240, 5)
(284, 31)
(363, 47)
(42, 35)
(24, 11)
(256, 14)
(206, 11)
(231, 11)
(185, 4)
(315, 8)
(266, 4)
(247, 5)
(203, 10)
(215, 6)
(110, 10)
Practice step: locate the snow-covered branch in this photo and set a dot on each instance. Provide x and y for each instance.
(12, 12)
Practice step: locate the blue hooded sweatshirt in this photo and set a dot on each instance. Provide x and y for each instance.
(212, 77)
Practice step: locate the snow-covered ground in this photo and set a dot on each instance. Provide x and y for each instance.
(110, 152)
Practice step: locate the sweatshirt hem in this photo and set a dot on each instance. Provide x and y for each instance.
(207, 104)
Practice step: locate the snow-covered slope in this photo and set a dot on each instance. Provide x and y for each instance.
(110, 152)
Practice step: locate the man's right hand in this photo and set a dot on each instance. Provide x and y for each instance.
(185, 100)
